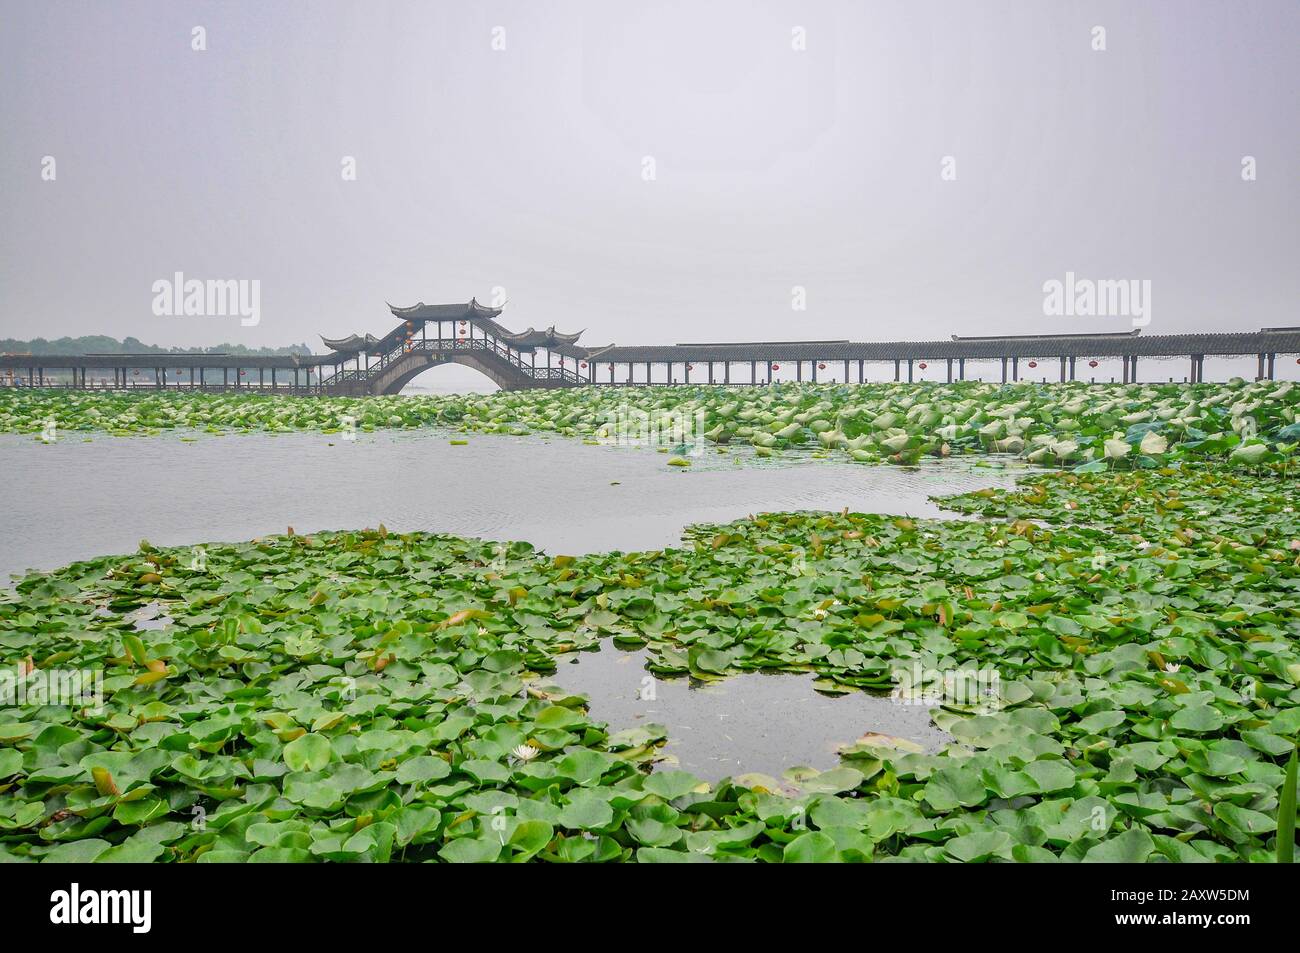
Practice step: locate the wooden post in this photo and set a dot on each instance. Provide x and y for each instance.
(1062, 369)
(949, 370)
(861, 372)
(1272, 359)
(1004, 370)
(961, 368)
(1015, 368)
(909, 370)
(896, 377)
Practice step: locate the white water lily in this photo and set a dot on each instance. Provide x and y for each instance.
(1172, 666)
(525, 752)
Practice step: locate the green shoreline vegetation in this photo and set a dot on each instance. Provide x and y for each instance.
(1096, 426)
(370, 696)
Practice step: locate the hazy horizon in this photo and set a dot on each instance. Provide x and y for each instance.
(521, 170)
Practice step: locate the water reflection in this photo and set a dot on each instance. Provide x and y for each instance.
(755, 722)
(77, 499)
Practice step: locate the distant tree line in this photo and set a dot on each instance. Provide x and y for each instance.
(102, 344)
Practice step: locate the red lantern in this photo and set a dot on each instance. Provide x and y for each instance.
(1033, 363)
(821, 367)
(1092, 363)
(584, 364)
(776, 367)
(242, 373)
(922, 365)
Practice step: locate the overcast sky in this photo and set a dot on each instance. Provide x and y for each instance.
(524, 168)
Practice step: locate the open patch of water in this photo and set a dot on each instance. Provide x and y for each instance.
(756, 722)
(77, 499)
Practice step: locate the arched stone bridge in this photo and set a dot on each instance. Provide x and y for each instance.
(430, 335)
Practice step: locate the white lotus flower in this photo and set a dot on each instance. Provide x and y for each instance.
(1172, 666)
(525, 752)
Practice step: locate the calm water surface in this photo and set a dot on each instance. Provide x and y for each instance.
(77, 498)
(754, 722)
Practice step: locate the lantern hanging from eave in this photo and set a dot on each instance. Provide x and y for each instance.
(1033, 363)
(923, 365)
(1092, 363)
(776, 367)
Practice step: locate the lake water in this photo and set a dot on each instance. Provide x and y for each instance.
(756, 722)
(76, 499)
(79, 498)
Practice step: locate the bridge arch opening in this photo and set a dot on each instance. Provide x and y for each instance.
(450, 378)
